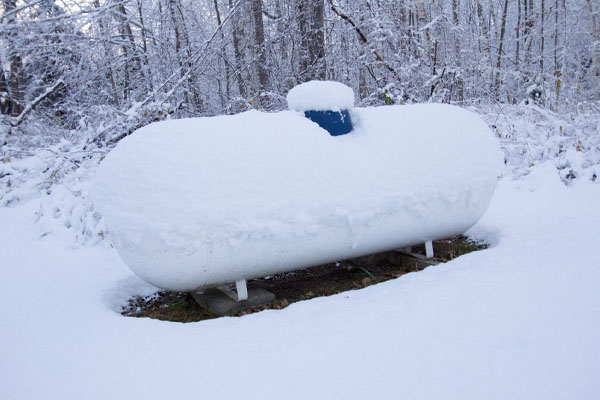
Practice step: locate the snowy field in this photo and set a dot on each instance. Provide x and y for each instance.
(519, 320)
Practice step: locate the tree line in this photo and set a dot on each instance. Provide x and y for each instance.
(93, 62)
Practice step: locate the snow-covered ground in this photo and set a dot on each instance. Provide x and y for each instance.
(520, 320)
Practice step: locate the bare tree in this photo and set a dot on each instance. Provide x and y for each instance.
(500, 46)
(123, 63)
(16, 78)
(237, 48)
(312, 39)
(259, 43)
(595, 46)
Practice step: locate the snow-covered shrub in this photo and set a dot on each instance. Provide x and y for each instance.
(530, 135)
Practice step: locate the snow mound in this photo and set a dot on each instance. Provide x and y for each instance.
(199, 202)
(320, 96)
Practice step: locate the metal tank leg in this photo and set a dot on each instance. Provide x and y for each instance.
(241, 289)
(428, 249)
(225, 300)
(240, 293)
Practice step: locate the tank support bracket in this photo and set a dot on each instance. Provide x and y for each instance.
(241, 289)
(428, 251)
(239, 294)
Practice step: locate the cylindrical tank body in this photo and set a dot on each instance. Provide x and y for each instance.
(196, 203)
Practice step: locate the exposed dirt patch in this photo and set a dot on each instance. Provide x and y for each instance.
(304, 284)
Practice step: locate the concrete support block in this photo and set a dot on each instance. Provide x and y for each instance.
(408, 260)
(219, 303)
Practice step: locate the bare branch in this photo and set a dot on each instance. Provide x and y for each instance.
(362, 37)
(17, 120)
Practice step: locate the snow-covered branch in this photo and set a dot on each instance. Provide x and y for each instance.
(29, 107)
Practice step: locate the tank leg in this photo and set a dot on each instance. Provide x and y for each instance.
(239, 294)
(242, 290)
(428, 249)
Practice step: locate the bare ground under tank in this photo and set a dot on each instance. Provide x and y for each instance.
(305, 284)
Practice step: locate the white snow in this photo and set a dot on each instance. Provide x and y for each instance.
(200, 202)
(518, 320)
(320, 96)
(530, 136)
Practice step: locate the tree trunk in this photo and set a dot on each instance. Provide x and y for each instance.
(518, 30)
(259, 43)
(16, 78)
(129, 52)
(459, 81)
(146, 63)
(312, 40)
(500, 46)
(456, 27)
(556, 37)
(237, 34)
(542, 40)
(224, 55)
(595, 47)
(108, 56)
(485, 31)
(183, 53)
(5, 106)
(317, 43)
(528, 34)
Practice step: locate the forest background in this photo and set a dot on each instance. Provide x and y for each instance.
(79, 75)
(117, 65)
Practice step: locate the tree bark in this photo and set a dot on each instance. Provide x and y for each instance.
(312, 40)
(5, 106)
(459, 81)
(224, 55)
(518, 30)
(259, 43)
(528, 31)
(183, 53)
(500, 46)
(16, 78)
(595, 47)
(237, 34)
(543, 11)
(146, 63)
(484, 30)
(129, 52)
(108, 56)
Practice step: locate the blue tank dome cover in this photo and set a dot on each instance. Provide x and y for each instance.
(335, 122)
(326, 103)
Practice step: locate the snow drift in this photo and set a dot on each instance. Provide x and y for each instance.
(320, 96)
(200, 202)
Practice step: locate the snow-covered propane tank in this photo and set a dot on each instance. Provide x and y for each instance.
(196, 203)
